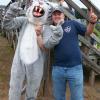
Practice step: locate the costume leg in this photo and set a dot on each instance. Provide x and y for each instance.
(34, 77)
(16, 81)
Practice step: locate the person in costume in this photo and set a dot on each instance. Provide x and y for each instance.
(30, 54)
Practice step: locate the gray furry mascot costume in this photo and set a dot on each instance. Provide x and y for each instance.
(28, 62)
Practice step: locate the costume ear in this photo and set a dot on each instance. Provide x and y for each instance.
(27, 12)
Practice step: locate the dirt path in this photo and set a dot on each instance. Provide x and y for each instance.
(6, 56)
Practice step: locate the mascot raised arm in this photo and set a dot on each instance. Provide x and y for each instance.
(28, 62)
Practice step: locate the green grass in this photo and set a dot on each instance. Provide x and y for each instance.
(98, 35)
(97, 32)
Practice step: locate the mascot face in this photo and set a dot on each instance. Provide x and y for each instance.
(38, 11)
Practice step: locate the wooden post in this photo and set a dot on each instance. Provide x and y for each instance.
(92, 78)
(92, 73)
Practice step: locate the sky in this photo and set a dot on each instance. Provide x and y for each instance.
(95, 2)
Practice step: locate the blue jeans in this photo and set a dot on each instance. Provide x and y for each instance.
(74, 77)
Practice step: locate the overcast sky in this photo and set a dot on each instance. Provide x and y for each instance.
(95, 2)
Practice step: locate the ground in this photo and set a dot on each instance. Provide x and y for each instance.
(6, 56)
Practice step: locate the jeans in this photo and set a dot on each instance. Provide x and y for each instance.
(74, 77)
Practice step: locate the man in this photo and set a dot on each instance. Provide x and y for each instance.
(67, 65)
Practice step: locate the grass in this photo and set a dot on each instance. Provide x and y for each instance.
(98, 35)
(97, 32)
